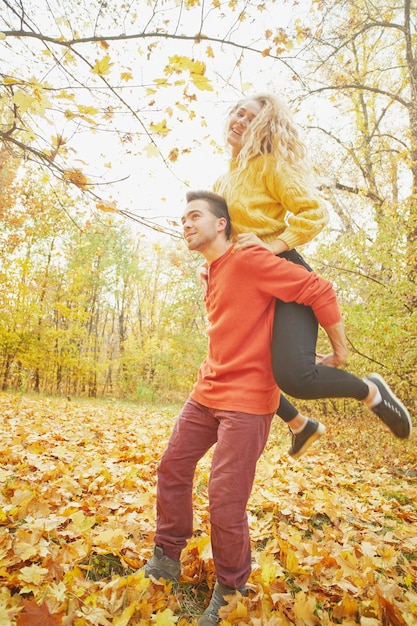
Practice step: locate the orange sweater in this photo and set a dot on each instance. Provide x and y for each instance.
(242, 287)
(267, 199)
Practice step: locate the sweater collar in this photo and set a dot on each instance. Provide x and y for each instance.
(222, 258)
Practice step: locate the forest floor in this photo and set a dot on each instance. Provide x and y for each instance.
(334, 533)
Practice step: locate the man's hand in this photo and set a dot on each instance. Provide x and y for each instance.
(337, 337)
(331, 360)
(202, 275)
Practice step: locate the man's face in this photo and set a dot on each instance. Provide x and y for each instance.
(200, 225)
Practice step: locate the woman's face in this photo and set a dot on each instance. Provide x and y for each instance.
(239, 122)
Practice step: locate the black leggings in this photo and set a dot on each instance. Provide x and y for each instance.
(294, 357)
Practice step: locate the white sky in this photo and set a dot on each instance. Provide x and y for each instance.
(151, 189)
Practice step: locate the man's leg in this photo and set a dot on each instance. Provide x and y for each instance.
(241, 440)
(195, 431)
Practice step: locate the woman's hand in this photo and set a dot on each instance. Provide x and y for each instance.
(248, 240)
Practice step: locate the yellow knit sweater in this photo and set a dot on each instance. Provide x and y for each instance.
(269, 201)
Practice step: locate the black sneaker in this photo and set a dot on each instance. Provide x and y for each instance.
(210, 616)
(391, 411)
(162, 566)
(301, 441)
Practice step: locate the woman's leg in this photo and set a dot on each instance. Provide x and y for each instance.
(294, 358)
(296, 372)
(294, 354)
(286, 410)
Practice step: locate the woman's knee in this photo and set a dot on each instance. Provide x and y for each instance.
(298, 384)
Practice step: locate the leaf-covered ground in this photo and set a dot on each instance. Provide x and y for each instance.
(334, 534)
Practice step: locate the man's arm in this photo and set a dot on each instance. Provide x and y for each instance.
(337, 338)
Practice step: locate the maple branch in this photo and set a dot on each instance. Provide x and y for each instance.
(345, 270)
(134, 113)
(87, 188)
(366, 193)
(361, 87)
(197, 38)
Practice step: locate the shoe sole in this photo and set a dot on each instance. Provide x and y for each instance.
(319, 432)
(392, 394)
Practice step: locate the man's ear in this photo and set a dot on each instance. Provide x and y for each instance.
(221, 224)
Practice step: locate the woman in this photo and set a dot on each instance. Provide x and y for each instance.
(273, 203)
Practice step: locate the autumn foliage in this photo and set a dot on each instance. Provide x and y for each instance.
(334, 534)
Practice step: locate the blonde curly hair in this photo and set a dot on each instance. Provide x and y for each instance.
(273, 131)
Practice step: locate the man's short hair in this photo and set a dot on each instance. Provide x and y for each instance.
(217, 205)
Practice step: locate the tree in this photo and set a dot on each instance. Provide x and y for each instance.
(87, 308)
(365, 60)
(112, 76)
(140, 76)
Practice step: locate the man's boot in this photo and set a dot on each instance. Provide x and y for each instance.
(210, 616)
(161, 566)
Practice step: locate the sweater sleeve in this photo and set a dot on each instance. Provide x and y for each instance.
(306, 212)
(289, 282)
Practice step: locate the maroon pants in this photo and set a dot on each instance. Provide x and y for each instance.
(240, 438)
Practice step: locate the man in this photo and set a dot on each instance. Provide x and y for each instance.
(235, 396)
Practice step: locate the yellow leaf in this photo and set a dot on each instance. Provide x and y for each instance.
(87, 110)
(41, 104)
(112, 539)
(178, 63)
(102, 67)
(165, 618)
(198, 67)
(77, 178)
(23, 100)
(160, 128)
(291, 562)
(304, 608)
(347, 607)
(173, 155)
(151, 150)
(124, 618)
(66, 95)
(126, 76)
(33, 574)
(80, 523)
(8, 80)
(201, 82)
(235, 611)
